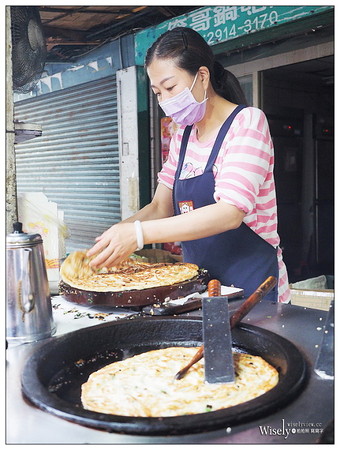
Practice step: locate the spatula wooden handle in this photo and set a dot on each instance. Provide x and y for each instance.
(251, 301)
(214, 287)
(197, 356)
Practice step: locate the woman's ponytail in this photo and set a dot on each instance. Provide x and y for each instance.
(227, 85)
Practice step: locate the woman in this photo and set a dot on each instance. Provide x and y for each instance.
(216, 192)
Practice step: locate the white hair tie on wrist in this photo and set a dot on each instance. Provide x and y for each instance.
(139, 235)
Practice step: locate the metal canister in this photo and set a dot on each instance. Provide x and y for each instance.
(28, 310)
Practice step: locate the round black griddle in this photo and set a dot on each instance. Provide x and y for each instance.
(135, 298)
(53, 376)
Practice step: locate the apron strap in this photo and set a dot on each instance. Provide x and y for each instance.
(184, 143)
(220, 137)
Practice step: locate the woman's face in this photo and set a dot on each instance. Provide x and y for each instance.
(168, 80)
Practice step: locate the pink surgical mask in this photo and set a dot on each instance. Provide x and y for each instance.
(183, 108)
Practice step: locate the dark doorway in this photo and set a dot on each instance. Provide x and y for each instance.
(299, 102)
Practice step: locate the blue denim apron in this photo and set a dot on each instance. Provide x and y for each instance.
(237, 257)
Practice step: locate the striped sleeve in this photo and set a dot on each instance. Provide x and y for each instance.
(246, 162)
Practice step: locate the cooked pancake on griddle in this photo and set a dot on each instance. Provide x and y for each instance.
(145, 385)
(130, 275)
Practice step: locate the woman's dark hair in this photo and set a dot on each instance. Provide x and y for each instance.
(190, 51)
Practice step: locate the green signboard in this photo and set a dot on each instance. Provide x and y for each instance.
(221, 23)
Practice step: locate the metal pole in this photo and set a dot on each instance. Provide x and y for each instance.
(11, 187)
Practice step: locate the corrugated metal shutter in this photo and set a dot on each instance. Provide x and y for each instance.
(75, 162)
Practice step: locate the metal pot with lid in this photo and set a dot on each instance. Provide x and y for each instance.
(28, 310)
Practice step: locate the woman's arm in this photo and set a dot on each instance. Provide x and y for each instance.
(119, 241)
(199, 223)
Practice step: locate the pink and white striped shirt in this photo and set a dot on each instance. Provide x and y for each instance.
(243, 175)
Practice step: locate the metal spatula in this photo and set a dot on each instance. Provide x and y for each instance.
(243, 310)
(218, 355)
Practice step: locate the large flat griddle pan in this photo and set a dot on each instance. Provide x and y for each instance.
(53, 376)
(135, 298)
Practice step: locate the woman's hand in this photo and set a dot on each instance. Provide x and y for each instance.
(118, 242)
(114, 245)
